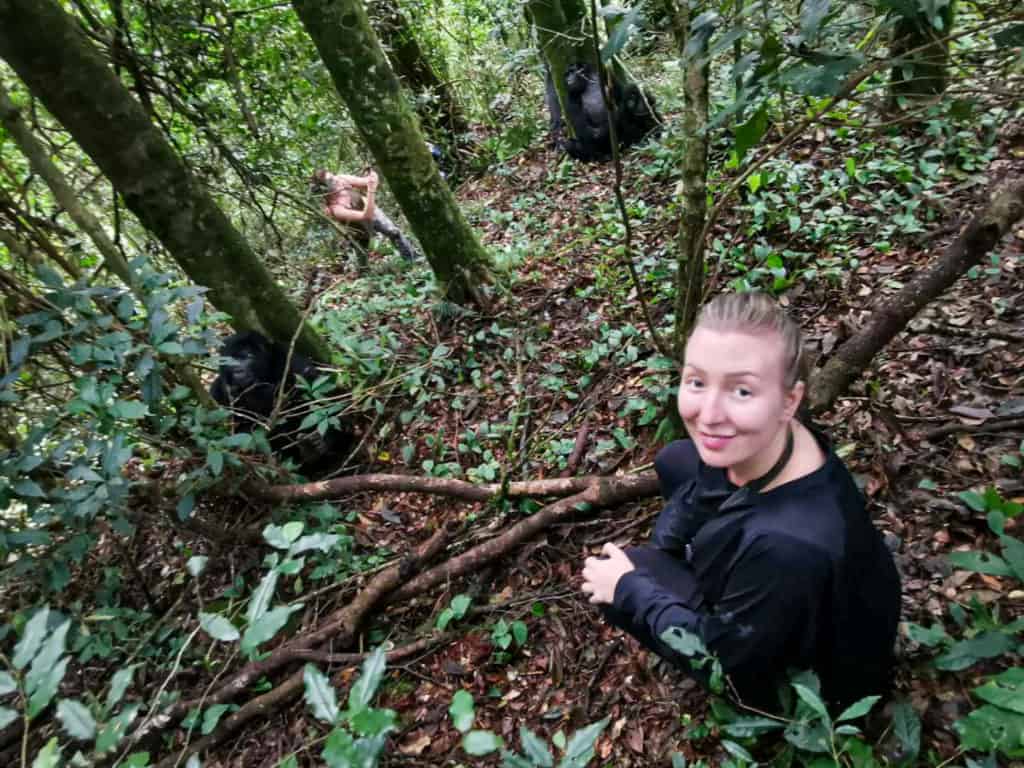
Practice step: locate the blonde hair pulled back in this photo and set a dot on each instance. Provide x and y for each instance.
(755, 312)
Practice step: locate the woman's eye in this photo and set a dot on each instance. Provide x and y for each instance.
(694, 383)
(743, 392)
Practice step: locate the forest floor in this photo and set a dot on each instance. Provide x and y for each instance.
(566, 345)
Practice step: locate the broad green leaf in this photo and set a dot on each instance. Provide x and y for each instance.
(373, 721)
(580, 748)
(131, 410)
(29, 489)
(989, 727)
(268, 625)
(620, 34)
(196, 565)
(478, 743)
(535, 748)
(906, 727)
(973, 499)
(934, 635)
(218, 627)
(46, 688)
(685, 642)
(460, 604)
(114, 730)
(339, 751)
(363, 689)
(858, 708)
(750, 133)
(520, 632)
(7, 683)
(444, 619)
(119, 684)
(747, 727)
(462, 711)
(212, 716)
(31, 639)
(1005, 697)
(320, 695)
(324, 542)
(737, 751)
(48, 756)
(76, 719)
(810, 737)
(963, 654)
(53, 648)
(1013, 554)
(980, 562)
(812, 699)
(259, 603)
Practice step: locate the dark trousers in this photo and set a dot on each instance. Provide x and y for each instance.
(673, 574)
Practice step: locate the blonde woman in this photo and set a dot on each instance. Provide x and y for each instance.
(764, 549)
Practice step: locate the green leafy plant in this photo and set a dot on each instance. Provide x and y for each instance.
(34, 674)
(577, 751)
(359, 732)
(457, 610)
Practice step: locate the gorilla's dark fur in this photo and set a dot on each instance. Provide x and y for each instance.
(250, 376)
(635, 114)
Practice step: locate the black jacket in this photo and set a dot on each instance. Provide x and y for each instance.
(793, 578)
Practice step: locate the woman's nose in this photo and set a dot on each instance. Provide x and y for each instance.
(711, 411)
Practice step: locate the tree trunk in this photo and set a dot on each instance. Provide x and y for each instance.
(414, 68)
(689, 241)
(979, 237)
(45, 47)
(364, 79)
(921, 55)
(564, 39)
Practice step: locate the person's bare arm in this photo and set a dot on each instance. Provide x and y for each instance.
(341, 213)
(371, 193)
(356, 182)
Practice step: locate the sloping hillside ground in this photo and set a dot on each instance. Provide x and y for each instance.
(561, 378)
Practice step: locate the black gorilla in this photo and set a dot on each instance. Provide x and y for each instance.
(248, 382)
(635, 117)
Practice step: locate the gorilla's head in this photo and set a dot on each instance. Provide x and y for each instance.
(577, 77)
(245, 361)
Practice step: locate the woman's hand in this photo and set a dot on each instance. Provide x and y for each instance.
(372, 180)
(601, 574)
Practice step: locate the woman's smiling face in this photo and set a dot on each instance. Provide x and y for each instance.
(732, 398)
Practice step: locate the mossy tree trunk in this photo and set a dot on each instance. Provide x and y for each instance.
(365, 81)
(689, 243)
(564, 38)
(921, 57)
(49, 52)
(414, 68)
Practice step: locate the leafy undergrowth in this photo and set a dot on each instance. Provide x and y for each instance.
(564, 363)
(561, 379)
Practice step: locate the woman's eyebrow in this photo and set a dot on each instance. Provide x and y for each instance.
(729, 375)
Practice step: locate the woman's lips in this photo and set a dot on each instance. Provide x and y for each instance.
(714, 442)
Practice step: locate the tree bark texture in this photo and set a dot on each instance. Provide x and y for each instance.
(689, 288)
(45, 47)
(414, 68)
(564, 40)
(365, 81)
(979, 237)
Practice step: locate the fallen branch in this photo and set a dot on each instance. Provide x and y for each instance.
(339, 629)
(979, 237)
(991, 427)
(441, 486)
(606, 492)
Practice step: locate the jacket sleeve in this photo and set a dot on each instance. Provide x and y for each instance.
(767, 610)
(677, 465)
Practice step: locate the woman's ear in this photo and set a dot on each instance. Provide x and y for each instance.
(792, 401)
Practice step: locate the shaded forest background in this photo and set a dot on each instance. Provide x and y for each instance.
(174, 593)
